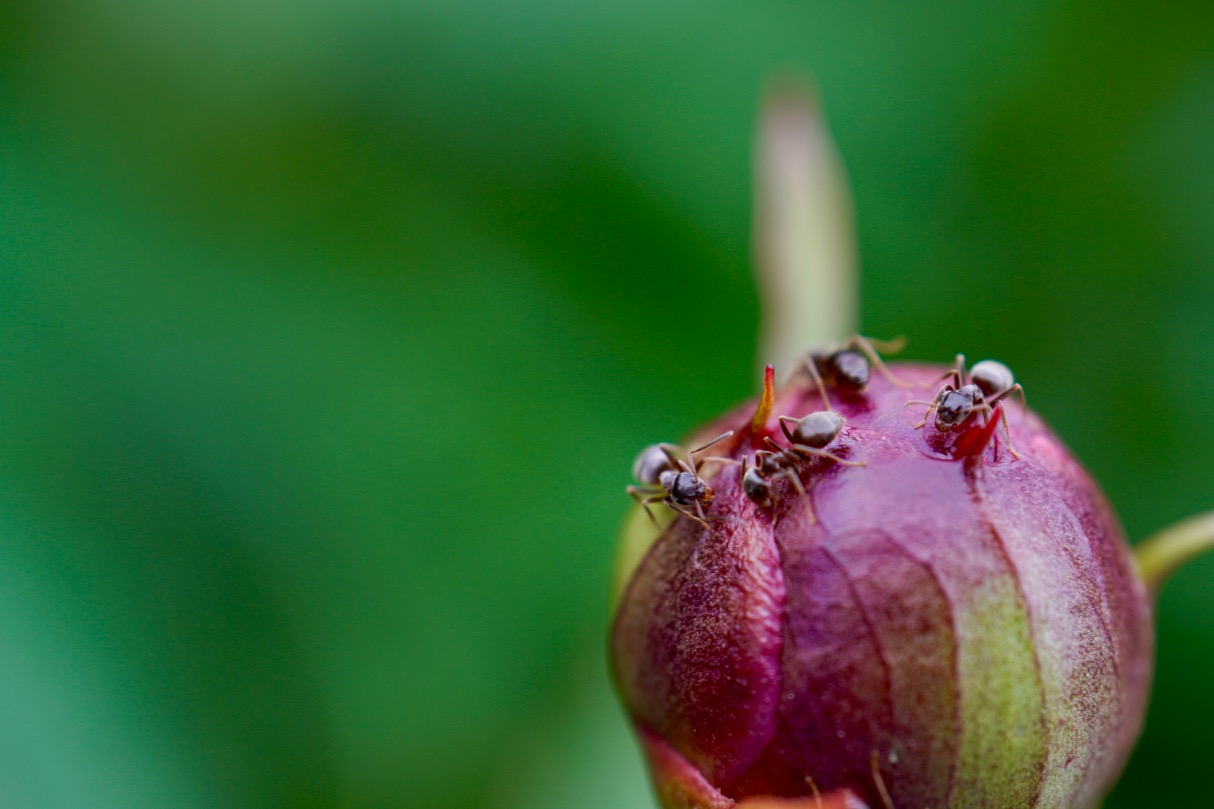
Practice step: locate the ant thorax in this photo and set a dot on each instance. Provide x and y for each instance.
(769, 463)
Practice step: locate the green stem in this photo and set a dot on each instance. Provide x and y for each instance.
(1161, 555)
(804, 236)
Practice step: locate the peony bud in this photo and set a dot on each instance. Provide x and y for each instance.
(957, 622)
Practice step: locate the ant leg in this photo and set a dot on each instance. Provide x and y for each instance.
(864, 345)
(879, 782)
(784, 428)
(994, 401)
(776, 448)
(810, 367)
(957, 373)
(1008, 431)
(821, 453)
(682, 510)
(930, 407)
(671, 451)
(1013, 389)
(644, 496)
(982, 407)
(893, 346)
(795, 479)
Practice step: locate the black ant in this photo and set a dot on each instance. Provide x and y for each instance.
(979, 391)
(848, 366)
(807, 440)
(676, 482)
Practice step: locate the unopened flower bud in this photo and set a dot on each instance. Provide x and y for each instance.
(933, 612)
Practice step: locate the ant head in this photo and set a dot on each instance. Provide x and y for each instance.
(650, 464)
(992, 377)
(850, 369)
(686, 488)
(818, 429)
(955, 406)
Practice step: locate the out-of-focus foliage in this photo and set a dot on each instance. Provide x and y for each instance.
(329, 331)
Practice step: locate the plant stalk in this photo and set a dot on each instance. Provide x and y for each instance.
(1164, 552)
(804, 233)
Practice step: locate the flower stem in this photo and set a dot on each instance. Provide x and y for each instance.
(804, 236)
(1162, 554)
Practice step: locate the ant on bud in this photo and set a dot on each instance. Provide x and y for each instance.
(671, 480)
(848, 366)
(809, 437)
(979, 391)
(807, 440)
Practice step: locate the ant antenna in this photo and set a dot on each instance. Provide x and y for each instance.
(957, 372)
(893, 346)
(694, 468)
(717, 440)
(812, 367)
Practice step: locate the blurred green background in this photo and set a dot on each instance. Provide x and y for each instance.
(330, 329)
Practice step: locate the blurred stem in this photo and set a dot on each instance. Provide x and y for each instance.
(1162, 554)
(805, 259)
(804, 236)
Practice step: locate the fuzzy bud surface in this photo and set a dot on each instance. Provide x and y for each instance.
(962, 625)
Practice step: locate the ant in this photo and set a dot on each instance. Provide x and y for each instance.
(676, 482)
(849, 365)
(807, 440)
(979, 391)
